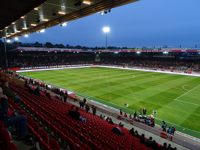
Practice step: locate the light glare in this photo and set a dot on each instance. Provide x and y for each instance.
(42, 31)
(106, 29)
(24, 28)
(165, 52)
(87, 2)
(64, 24)
(45, 20)
(8, 41)
(16, 38)
(138, 52)
(33, 24)
(61, 13)
(116, 52)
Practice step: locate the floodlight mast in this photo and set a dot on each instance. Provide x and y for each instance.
(106, 30)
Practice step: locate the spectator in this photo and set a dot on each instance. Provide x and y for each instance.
(144, 111)
(169, 147)
(81, 104)
(121, 125)
(37, 91)
(164, 147)
(120, 111)
(83, 119)
(125, 115)
(74, 113)
(135, 115)
(19, 121)
(77, 114)
(17, 99)
(142, 139)
(131, 131)
(110, 121)
(65, 96)
(164, 126)
(149, 141)
(154, 145)
(87, 108)
(84, 100)
(173, 130)
(94, 110)
(169, 130)
(101, 116)
(48, 95)
(136, 133)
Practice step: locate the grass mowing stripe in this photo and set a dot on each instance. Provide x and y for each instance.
(111, 81)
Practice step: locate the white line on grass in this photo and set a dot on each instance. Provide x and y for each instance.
(185, 89)
(186, 102)
(177, 99)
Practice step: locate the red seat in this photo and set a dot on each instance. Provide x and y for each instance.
(5, 138)
(44, 135)
(95, 133)
(12, 146)
(1, 125)
(54, 144)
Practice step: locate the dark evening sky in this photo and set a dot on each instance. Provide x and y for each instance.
(144, 23)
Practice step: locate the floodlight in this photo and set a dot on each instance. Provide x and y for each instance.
(26, 35)
(42, 31)
(33, 24)
(64, 24)
(24, 28)
(87, 2)
(165, 52)
(106, 29)
(45, 20)
(61, 13)
(8, 41)
(16, 38)
(116, 52)
(102, 13)
(138, 52)
(36, 8)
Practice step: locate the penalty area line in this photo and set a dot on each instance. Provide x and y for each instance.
(177, 99)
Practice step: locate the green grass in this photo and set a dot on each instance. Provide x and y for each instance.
(175, 97)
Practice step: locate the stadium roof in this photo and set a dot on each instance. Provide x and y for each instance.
(20, 17)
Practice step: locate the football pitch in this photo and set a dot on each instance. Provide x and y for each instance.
(176, 98)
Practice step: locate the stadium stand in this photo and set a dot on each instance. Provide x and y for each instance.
(174, 61)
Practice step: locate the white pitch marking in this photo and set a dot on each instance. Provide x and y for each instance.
(185, 89)
(186, 102)
(176, 99)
